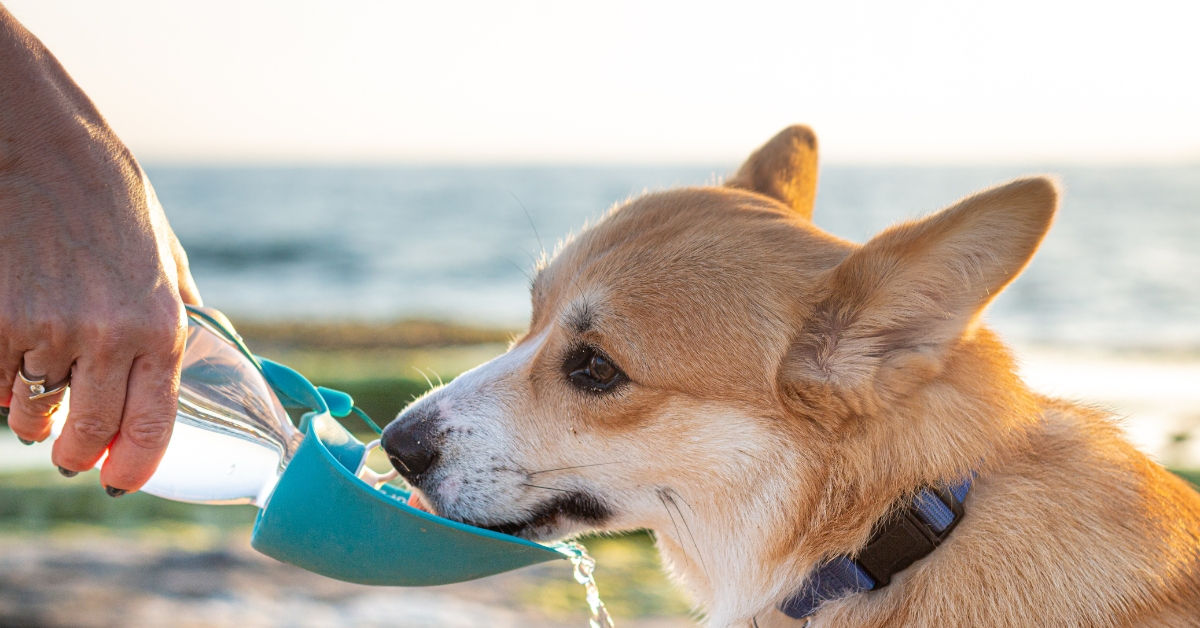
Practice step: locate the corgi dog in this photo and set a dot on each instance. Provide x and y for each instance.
(814, 430)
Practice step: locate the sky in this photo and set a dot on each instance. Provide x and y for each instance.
(357, 81)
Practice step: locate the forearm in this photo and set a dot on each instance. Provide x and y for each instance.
(68, 186)
(46, 121)
(92, 280)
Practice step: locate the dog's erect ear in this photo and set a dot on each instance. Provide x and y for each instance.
(894, 305)
(784, 168)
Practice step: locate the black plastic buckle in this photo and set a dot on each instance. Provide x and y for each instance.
(903, 539)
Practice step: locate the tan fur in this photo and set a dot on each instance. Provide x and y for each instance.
(788, 388)
(785, 169)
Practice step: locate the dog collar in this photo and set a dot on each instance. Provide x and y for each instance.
(897, 542)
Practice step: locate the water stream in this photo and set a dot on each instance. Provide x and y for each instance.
(585, 567)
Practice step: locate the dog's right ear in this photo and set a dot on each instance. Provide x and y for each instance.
(893, 308)
(784, 169)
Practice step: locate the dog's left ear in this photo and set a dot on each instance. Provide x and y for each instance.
(785, 169)
(893, 308)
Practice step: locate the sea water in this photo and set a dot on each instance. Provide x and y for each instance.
(1120, 269)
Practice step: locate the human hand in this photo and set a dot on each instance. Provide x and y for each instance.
(92, 278)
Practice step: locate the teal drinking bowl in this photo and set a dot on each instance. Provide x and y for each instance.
(319, 515)
(323, 518)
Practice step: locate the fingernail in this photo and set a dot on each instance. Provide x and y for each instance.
(67, 472)
(26, 442)
(114, 492)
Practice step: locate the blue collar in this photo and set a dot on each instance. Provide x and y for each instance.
(897, 542)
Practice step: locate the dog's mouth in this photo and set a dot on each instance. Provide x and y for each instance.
(416, 501)
(543, 522)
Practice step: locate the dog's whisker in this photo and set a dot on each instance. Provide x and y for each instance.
(667, 495)
(578, 466)
(662, 498)
(532, 260)
(576, 284)
(750, 455)
(699, 554)
(531, 225)
(519, 269)
(675, 495)
(417, 369)
(548, 488)
(509, 470)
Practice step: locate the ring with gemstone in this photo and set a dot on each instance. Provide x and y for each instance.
(38, 389)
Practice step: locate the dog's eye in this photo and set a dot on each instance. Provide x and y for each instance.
(593, 371)
(600, 369)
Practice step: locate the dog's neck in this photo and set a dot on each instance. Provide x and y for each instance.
(903, 535)
(850, 487)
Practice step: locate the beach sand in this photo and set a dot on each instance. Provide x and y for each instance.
(189, 578)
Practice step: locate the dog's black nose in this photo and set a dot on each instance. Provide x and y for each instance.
(409, 444)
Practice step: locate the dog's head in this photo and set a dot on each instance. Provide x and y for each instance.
(706, 363)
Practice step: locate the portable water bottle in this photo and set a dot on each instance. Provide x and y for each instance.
(322, 509)
(232, 437)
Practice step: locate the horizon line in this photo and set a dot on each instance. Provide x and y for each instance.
(724, 165)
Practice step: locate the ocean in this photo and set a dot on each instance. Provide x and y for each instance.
(1119, 270)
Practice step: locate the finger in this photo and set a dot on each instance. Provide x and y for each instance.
(187, 285)
(150, 407)
(33, 421)
(97, 400)
(8, 373)
(29, 417)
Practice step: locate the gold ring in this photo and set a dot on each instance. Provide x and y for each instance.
(37, 387)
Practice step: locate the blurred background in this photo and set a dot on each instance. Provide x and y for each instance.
(363, 186)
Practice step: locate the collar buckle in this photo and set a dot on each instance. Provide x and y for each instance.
(898, 541)
(910, 535)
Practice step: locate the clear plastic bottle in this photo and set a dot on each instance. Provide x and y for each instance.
(232, 438)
